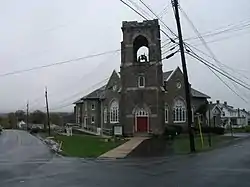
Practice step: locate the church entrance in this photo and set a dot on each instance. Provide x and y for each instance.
(141, 121)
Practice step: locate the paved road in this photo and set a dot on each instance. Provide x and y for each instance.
(229, 166)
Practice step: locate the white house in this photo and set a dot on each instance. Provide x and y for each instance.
(230, 116)
(213, 115)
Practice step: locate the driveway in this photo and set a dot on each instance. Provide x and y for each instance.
(17, 150)
(228, 166)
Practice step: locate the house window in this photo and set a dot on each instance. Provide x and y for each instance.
(105, 115)
(85, 105)
(166, 114)
(179, 111)
(114, 112)
(93, 106)
(141, 82)
(92, 119)
(78, 114)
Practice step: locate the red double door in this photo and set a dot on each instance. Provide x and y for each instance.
(142, 124)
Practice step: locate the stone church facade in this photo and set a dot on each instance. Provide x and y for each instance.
(141, 98)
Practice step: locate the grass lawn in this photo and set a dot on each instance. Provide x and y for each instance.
(86, 145)
(181, 143)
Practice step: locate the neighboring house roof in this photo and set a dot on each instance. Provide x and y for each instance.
(228, 107)
(212, 106)
(196, 93)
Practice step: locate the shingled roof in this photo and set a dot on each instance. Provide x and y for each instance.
(96, 94)
(100, 92)
(196, 93)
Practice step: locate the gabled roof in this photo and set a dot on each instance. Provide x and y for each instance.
(78, 101)
(96, 94)
(100, 92)
(167, 74)
(196, 93)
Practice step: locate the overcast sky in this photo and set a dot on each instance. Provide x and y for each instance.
(35, 33)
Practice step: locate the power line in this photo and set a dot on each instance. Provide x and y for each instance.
(224, 82)
(73, 96)
(211, 64)
(134, 10)
(232, 69)
(58, 63)
(164, 10)
(227, 76)
(222, 38)
(146, 19)
(139, 8)
(206, 46)
(236, 78)
(233, 29)
(199, 35)
(157, 17)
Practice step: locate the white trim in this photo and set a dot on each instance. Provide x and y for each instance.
(141, 113)
(182, 112)
(171, 74)
(92, 104)
(139, 81)
(92, 117)
(114, 110)
(105, 115)
(179, 121)
(85, 105)
(166, 109)
(85, 122)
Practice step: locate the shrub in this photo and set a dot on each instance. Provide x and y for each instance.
(247, 128)
(178, 128)
(172, 130)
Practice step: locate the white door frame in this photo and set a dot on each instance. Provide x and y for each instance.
(141, 113)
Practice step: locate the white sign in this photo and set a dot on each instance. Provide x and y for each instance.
(117, 130)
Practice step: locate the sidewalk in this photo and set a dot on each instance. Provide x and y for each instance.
(91, 133)
(123, 150)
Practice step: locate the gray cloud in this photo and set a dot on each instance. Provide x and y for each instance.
(35, 33)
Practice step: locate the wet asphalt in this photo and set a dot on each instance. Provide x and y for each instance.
(26, 162)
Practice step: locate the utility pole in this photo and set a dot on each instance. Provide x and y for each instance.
(47, 107)
(185, 75)
(27, 115)
(209, 123)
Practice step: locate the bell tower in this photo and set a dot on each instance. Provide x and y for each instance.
(141, 103)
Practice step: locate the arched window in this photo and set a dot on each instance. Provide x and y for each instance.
(141, 113)
(142, 54)
(114, 112)
(166, 113)
(140, 49)
(105, 115)
(141, 81)
(192, 111)
(179, 111)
